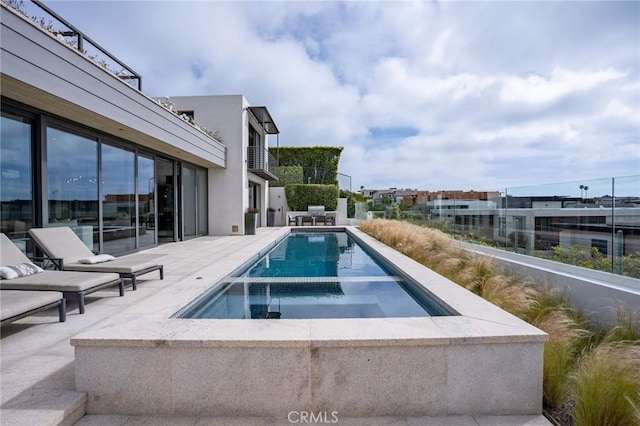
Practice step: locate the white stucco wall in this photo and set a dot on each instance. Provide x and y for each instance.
(228, 188)
(278, 201)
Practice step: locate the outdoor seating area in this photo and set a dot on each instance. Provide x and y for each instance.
(68, 252)
(27, 276)
(77, 272)
(314, 216)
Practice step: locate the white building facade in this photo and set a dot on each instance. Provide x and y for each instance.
(244, 182)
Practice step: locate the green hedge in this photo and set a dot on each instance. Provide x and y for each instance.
(287, 175)
(319, 163)
(301, 196)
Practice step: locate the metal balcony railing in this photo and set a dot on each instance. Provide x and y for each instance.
(261, 162)
(73, 36)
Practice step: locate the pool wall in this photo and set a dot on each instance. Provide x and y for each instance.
(483, 361)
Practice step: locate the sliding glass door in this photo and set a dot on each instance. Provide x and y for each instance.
(116, 196)
(16, 183)
(167, 200)
(146, 202)
(118, 199)
(72, 184)
(194, 201)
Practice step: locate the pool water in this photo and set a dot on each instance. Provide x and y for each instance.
(314, 275)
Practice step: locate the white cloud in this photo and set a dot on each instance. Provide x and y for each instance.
(497, 93)
(561, 82)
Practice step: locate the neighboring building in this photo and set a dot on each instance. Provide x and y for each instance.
(393, 196)
(367, 193)
(537, 223)
(542, 222)
(81, 148)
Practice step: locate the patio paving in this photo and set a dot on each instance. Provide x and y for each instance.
(37, 382)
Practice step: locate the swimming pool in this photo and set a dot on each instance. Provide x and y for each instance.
(360, 367)
(315, 275)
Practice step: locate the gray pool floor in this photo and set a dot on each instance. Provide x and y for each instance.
(37, 382)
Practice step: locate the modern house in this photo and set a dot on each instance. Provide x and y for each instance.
(245, 131)
(81, 147)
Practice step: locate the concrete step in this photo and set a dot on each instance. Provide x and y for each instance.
(44, 407)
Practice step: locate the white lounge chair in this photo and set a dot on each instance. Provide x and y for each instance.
(17, 304)
(69, 253)
(71, 284)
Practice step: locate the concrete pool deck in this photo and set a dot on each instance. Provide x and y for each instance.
(39, 379)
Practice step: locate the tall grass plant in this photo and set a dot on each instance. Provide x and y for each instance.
(589, 373)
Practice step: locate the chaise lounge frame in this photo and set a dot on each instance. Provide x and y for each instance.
(15, 297)
(62, 281)
(63, 247)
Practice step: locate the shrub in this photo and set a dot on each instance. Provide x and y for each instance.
(301, 196)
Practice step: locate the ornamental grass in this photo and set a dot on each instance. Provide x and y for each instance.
(590, 376)
(605, 386)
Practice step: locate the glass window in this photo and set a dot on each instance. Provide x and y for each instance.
(146, 202)
(189, 200)
(202, 201)
(118, 200)
(194, 200)
(165, 178)
(72, 183)
(16, 184)
(502, 232)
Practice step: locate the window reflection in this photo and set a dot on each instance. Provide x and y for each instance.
(118, 200)
(16, 186)
(72, 184)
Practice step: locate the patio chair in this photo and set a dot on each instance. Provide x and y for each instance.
(69, 253)
(320, 218)
(17, 304)
(292, 220)
(308, 220)
(31, 277)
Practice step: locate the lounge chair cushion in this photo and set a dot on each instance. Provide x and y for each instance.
(18, 302)
(60, 243)
(99, 258)
(121, 265)
(59, 281)
(20, 270)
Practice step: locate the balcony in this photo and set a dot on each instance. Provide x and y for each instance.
(66, 33)
(261, 162)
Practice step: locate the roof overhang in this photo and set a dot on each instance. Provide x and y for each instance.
(261, 114)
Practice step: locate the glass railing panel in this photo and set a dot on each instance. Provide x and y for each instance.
(592, 223)
(626, 226)
(589, 223)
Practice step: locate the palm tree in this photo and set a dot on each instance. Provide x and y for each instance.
(586, 188)
(581, 193)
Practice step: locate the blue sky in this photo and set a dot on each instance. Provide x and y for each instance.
(429, 95)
